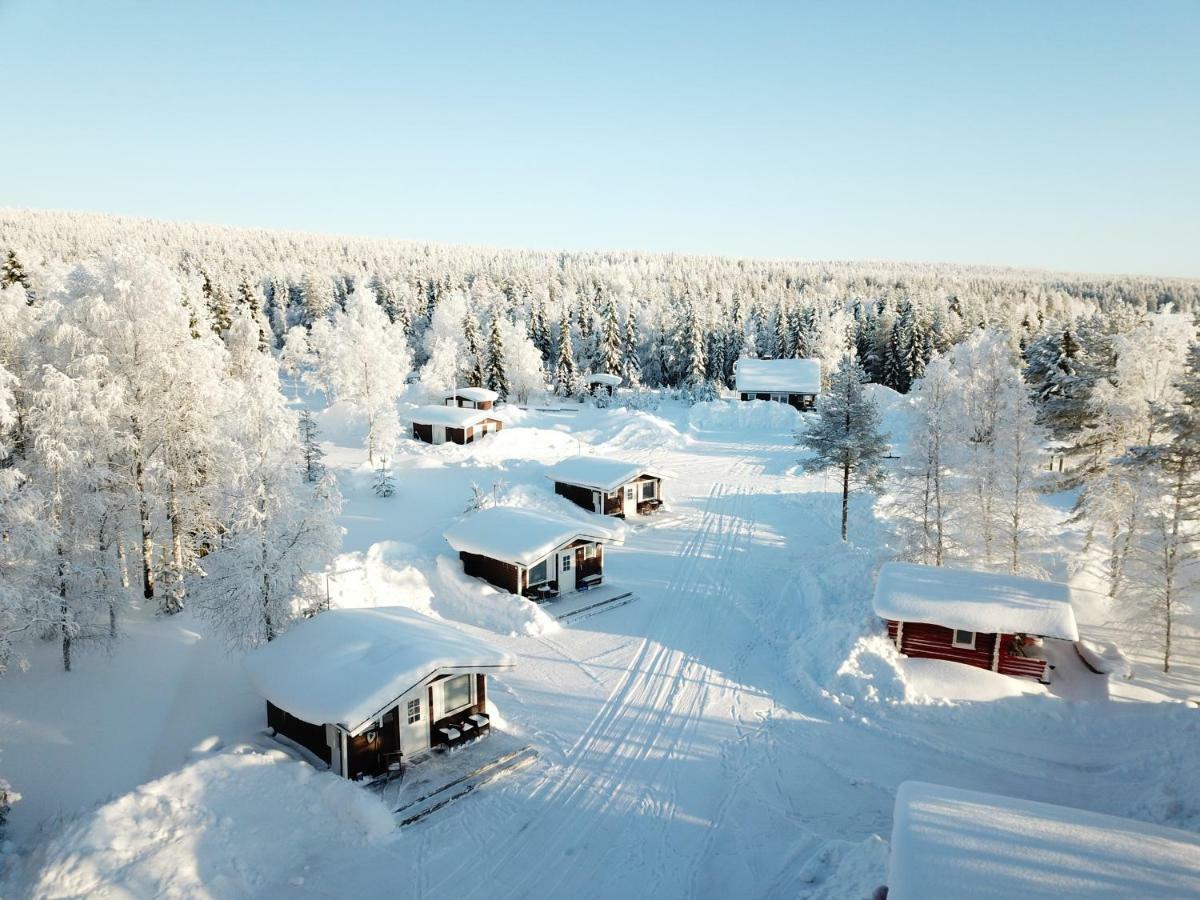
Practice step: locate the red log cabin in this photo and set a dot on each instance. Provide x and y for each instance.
(980, 619)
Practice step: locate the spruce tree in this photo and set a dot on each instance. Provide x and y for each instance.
(474, 358)
(804, 334)
(845, 434)
(219, 309)
(611, 356)
(695, 365)
(565, 376)
(539, 330)
(248, 298)
(781, 347)
(310, 448)
(631, 363)
(12, 272)
(497, 376)
(384, 484)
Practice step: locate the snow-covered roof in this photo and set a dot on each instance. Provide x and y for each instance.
(605, 378)
(975, 601)
(597, 472)
(518, 536)
(783, 376)
(476, 394)
(951, 843)
(452, 416)
(345, 665)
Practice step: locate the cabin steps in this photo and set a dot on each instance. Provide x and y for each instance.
(595, 609)
(418, 809)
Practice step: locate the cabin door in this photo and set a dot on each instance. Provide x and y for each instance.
(630, 508)
(566, 571)
(439, 434)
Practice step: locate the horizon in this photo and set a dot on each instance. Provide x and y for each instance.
(1063, 139)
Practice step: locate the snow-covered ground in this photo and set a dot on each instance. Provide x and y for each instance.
(740, 730)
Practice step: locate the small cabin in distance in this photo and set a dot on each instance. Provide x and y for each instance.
(457, 425)
(533, 554)
(793, 381)
(604, 383)
(472, 398)
(610, 487)
(364, 690)
(980, 619)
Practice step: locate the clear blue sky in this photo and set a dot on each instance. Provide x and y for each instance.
(1054, 134)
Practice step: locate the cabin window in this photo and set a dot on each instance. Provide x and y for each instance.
(566, 562)
(589, 552)
(964, 639)
(414, 710)
(540, 573)
(647, 490)
(629, 493)
(456, 693)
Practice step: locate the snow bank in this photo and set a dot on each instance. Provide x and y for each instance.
(473, 600)
(842, 869)
(632, 431)
(237, 824)
(744, 415)
(873, 672)
(386, 575)
(1105, 657)
(945, 838)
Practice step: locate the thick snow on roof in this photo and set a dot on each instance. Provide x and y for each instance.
(518, 536)
(974, 601)
(476, 394)
(787, 376)
(452, 416)
(344, 665)
(951, 843)
(599, 472)
(605, 378)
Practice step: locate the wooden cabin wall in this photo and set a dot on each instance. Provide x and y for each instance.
(423, 432)
(309, 736)
(580, 496)
(501, 574)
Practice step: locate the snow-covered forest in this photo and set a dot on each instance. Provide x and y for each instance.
(160, 447)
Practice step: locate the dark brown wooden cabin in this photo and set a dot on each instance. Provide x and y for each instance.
(472, 398)
(796, 382)
(529, 554)
(611, 487)
(455, 425)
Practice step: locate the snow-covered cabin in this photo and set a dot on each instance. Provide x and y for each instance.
(472, 398)
(979, 618)
(604, 381)
(459, 425)
(535, 554)
(611, 487)
(362, 688)
(794, 381)
(949, 843)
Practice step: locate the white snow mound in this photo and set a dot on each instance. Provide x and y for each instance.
(233, 825)
(744, 415)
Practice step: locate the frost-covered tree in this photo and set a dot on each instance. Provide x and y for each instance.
(631, 360)
(384, 484)
(612, 356)
(496, 375)
(278, 530)
(364, 360)
(566, 377)
(13, 273)
(316, 298)
(311, 455)
(524, 363)
(473, 361)
(539, 330)
(695, 365)
(845, 434)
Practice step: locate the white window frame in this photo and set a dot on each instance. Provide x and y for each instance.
(649, 490)
(413, 711)
(630, 493)
(589, 552)
(962, 645)
(548, 573)
(446, 710)
(566, 561)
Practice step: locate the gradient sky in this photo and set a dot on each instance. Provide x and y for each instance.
(1055, 134)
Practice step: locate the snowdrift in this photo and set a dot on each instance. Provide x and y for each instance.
(475, 601)
(748, 415)
(237, 824)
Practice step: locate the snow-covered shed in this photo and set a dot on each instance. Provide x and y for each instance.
(612, 487)
(949, 843)
(361, 688)
(604, 381)
(794, 381)
(459, 425)
(472, 398)
(534, 554)
(983, 619)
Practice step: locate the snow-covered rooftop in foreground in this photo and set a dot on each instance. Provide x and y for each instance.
(951, 843)
(599, 472)
(518, 536)
(451, 416)
(974, 601)
(344, 665)
(475, 394)
(783, 376)
(605, 378)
